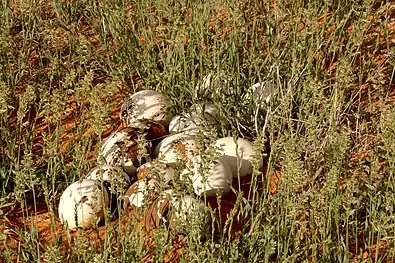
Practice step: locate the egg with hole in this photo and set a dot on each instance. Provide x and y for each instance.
(237, 156)
(82, 204)
(145, 105)
(114, 179)
(176, 147)
(208, 177)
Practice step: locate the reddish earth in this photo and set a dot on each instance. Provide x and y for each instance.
(50, 231)
(48, 226)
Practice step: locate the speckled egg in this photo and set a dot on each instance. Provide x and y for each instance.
(176, 147)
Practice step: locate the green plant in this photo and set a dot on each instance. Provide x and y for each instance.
(65, 67)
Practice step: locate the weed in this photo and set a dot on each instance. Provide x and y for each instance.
(328, 131)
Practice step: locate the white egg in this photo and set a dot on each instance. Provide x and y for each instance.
(138, 192)
(183, 206)
(190, 123)
(122, 149)
(203, 88)
(145, 105)
(82, 204)
(209, 177)
(207, 108)
(109, 174)
(174, 146)
(182, 123)
(229, 152)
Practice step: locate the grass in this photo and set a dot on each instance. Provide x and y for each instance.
(65, 67)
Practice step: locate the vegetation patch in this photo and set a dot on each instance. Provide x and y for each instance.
(325, 135)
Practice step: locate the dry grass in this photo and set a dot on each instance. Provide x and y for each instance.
(66, 66)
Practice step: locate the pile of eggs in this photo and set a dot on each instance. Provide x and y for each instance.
(159, 142)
